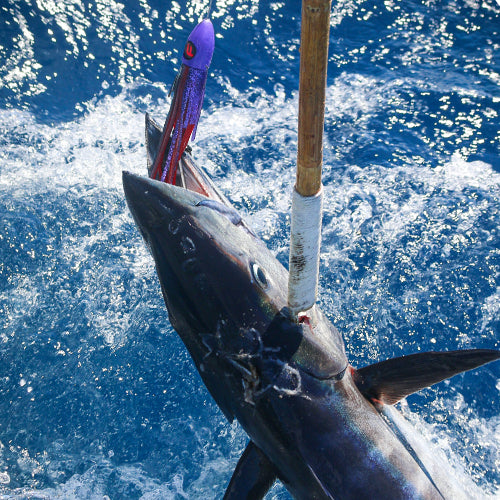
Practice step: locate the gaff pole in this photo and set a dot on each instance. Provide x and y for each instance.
(308, 192)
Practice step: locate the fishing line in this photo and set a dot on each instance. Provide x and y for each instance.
(209, 9)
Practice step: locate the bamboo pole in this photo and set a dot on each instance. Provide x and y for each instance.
(313, 63)
(307, 196)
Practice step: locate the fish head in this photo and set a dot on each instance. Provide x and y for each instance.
(213, 270)
(226, 293)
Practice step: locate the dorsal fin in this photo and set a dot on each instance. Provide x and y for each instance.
(390, 381)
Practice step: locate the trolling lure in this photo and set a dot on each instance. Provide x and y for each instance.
(187, 101)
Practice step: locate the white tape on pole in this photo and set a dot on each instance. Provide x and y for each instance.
(304, 251)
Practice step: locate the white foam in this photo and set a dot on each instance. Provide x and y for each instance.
(73, 163)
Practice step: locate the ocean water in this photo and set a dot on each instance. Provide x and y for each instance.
(98, 397)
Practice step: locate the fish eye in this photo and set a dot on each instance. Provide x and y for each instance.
(259, 276)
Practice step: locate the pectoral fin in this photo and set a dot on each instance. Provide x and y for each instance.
(253, 477)
(390, 381)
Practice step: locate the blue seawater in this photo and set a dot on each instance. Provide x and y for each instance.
(98, 397)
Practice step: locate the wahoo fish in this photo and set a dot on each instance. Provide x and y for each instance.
(319, 425)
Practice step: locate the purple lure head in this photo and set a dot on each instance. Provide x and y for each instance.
(200, 46)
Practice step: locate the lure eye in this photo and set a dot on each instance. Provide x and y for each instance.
(190, 50)
(259, 276)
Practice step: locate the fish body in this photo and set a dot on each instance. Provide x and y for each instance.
(314, 422)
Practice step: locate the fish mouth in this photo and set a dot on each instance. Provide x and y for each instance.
(189, 176)
(154, 202)
(193, 178)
